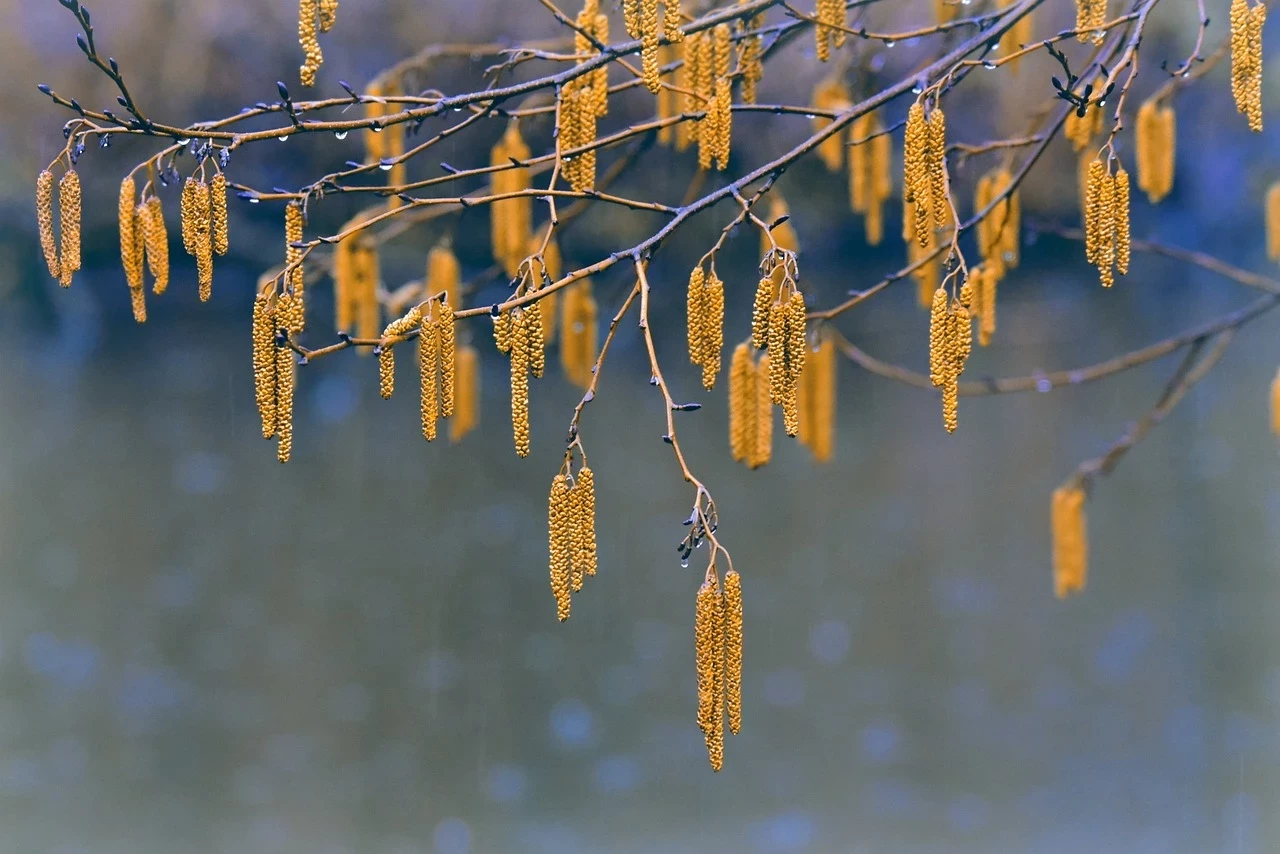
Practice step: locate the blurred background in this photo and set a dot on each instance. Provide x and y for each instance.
(202, 650)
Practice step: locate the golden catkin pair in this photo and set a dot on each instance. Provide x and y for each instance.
(870, 173)
(786, 341)
(582, 101)
(571, 518)
(817, 397)
(950, 340)
(197, 231)
(466, 396)
(830, 95)
(750, 409)
(518, 332)
(1155, 144)
(62, 256)
(999, 231)
(132, 247)
(924, 170)
(1015, 38)
(511, 219)
(1070, 541)
(705, 313)
(832, 17)
(714, 87)
(1106, 220)
(1246, 59)
(274, 370)
(314, 16)
(438, 366)
(1272, 215)
(717, 646)
(396, 329)
(1091, 16)
(578, 333)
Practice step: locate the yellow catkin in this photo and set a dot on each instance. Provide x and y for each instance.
(695, 314)
(733, 650)
(308, 25)
(831, 95)
(285, 380)
(715, 738)
(155, 239)
(705, 650)
(777, 342)
(939, 338)
(1122, 237)
(760, 312)
(293, 224)
(386, 352)
(631, 17)
(430, 361)
(750, 60)
(917, 174)
(1272, 215)
(131, 247)
(444, 276)
(1156, 145)
(712, 330)
(374, 143)
(1275, 404)
(666, 100)
(723, 106)
(559, 533)
(649, 39)
(1247, 60)
(515, 214)
(671, 17)
(448, 360)
(818, 401)
(578, 333)
(138, 302)
(535, 344)
(203, 240)
(763, 439)
(466, 413)
(986, 287)
(520, 382)
(795, 351)
(939, 203)
(69, 222)
(218, 214)
(585, 536)
(264, 363)
(1070, 541)
(742, 393)
(44, 220)
(328, 14)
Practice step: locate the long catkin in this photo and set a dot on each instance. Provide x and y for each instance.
(430, 360)
(742, 393)
(818, 401)
(466, 415)
(1070, 541)
(520, 382)
(44, 220)
(218, 214)
(155, 238)
(1272, 216)
(559, 534)
(285, 381)
(762, 440)
(69, 216)
(132, 251)
(264, 363)
(204, 241)
(733, 649)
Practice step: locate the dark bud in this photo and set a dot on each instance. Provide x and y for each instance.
(666, 437)
(1088, 91)
(1080, 111)
(84, 13)
(779, 221)
(589, 396)
(246, 194)
(346, 87)
(353, 164)
(84, 46)
(495, 310)
(262, 105)
(224, 157)
(1057, 84)
(115, 66)
(686, 407)
(110, 115)
(452, 170)
(105, 142)
(75, 105)
(283, 90)
(122, 102)
(44, 87)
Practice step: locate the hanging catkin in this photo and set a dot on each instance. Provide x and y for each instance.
(742, 394)
(466, 414)
(649, 39)
(69, 221)
(264, 363)
(519, 338)
(936, 158)
(762, 440)
(1015, 38)
(155, 238)
(218, 214)
(1272, 216)
(1246, 60)
(578, 333)
(917, 185)
(430, 360)
(308, 24)
(818, 401)
(386, 354)
(870, 181)
(733, 649)
(44, 220)
(444, 276)
(285, 381)
(558, 525)
(1070, 541)
(584, 533)
(708, 644)
(131, 245)
(750, 59)
(513, 217)
(1155, 147)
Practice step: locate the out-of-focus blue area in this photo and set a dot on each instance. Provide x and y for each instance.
(201, 650)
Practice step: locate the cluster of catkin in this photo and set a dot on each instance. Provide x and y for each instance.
(511, 219)
(1091, 17)
(778, 323)
(641, 20)
(818, 401)
(1106, 220)
(704, 79)
(983, 281)
(204, 226)
(1273, 221)
(314, 16)
(61, 248)
(1246, 59)
(1156, 137)
(750, 409)
(1081, 129)
(999, 231)
(571, 524)
(518, 332)
(1070, 540)
(924, 156)
(705, 304)
(717, 647)
(437, 363)
(355, 283)
(584, 100)
(870, 173)
(274, 367)
(144, 242)
(578, 333)
(950, 341)
(831, 18)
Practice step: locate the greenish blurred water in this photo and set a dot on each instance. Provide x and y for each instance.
(202, 650)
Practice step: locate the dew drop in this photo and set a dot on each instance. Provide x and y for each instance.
(376, 128)
(990, 66)
(889, 43)
(917, 89)
(386, 165)
(284, 138)
(254, 200)
(184, 142)
(342, 134)
(684, 562)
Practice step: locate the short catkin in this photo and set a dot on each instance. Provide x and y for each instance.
(1070, 540)
(218, 214)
